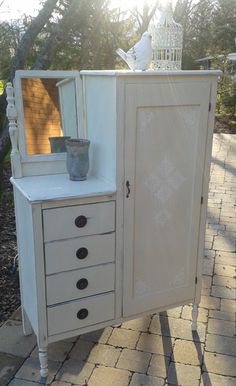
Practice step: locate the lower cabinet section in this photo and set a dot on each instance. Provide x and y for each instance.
(80, 313)
(66, 286)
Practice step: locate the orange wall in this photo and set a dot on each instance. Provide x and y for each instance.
(41, 114)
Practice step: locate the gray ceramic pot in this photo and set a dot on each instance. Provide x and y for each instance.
(77, 160)
(58, 144)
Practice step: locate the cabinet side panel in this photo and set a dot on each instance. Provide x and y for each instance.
(205, 188)
(100, 102)
(25, 244)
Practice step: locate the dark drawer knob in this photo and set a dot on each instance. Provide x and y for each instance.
(82, 314)
(82, 284)
(81, 253)
(80, 221)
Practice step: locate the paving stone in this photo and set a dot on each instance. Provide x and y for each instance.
(221, 327)
(187, 352)
(206, 281)
(140, 324)
(29, 371)
(225, 219)
(220, 364)
(22, 382)
(211, 232)
(216, 226)
(173, 312)
(223, 292)
(184, 375)
(145, 380)
(57, 351)
(205, 291)
(209, 238)
(58, 383)
(210, 302)
(121, 337)
(223, 315)
(155, 344)
(81, 350)
(107, 376)
(208, 244)
(209, 254)
(9, 365)
(75, 372)
(226, 258)
(134, 361)
(221, 344)
(224, 281)
(228, 305)
(208, 266)
(230, 227)
(216, 380)
(202, 314)
(177, 328)
(17, 315)
(12, 340)
(105, 355)
(98, 336)
(159, 365)
(225, 270)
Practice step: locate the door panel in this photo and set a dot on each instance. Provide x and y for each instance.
(166, 128)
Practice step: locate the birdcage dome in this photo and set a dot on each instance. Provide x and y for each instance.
(167, 40)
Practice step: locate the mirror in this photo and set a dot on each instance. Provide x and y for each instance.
(50, 113)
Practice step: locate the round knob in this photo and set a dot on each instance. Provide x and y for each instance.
(82, 284)
(82, 314)
(81, 253)
(80, 221)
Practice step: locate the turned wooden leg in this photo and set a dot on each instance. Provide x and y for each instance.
(27, 329)
(43, 359)
(194, 316)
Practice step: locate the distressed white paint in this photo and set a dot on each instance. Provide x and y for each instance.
(144, 252)
(62, 287)
(165, 166)
(59, 223)
(58, 187)
(63, 317)
(101, 249)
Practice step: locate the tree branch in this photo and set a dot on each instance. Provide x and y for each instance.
(30, 35)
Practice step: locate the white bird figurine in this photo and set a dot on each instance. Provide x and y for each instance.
(140, 55)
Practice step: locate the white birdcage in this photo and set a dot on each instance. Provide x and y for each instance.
(167, 40)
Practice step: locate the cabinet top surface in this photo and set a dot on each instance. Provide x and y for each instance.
(151, 72)
(58, 187)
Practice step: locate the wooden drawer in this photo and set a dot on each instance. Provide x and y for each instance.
(78, 253)
(67, 286)
(64, 317)
(80, 220)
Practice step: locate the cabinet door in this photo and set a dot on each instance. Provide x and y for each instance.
(165, 136)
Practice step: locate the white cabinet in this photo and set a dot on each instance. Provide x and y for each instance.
(129, 240)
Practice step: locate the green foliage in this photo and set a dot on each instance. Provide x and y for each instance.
(229, 99)
(2, 84)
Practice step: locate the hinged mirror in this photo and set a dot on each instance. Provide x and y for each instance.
(49, 110)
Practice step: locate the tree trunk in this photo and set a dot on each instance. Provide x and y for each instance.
(18, 63)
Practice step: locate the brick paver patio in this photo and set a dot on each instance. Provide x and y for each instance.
(160, 349)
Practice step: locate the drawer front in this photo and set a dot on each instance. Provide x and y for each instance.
(81, 220)
(67, 286)
(80, 313)
(78, 253)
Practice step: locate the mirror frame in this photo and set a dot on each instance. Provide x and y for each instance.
(30, 160)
